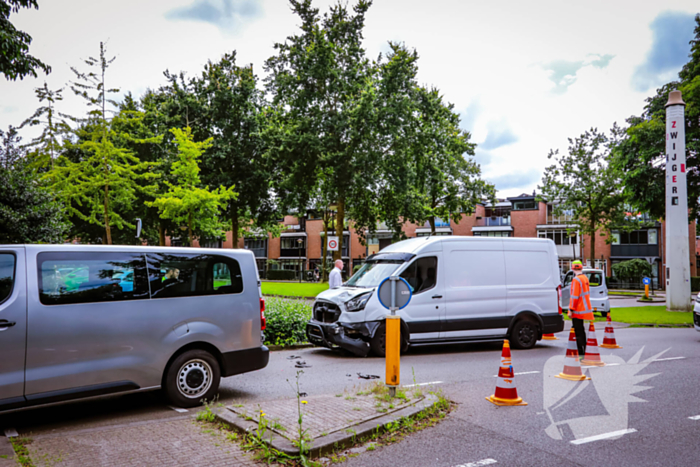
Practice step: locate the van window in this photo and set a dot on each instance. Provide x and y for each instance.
(595, 279)
(187, 275)
(7, 275)
(79, 277)
(421, 274)
(475, 268)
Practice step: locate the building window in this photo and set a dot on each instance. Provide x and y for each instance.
(635, 237)
(560, 237)
(292, 243)
(497, 233)
(522, 205)
(563, 218)
(436, 234)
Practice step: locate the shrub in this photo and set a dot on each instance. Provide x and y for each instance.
(281, 275)
(695, 284)
(286, 321)
(632, 270)
(356, 268)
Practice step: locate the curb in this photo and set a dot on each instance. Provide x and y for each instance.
(326, 444)
(6, 449)
(273, 348)
(656, 325)
(653, 300)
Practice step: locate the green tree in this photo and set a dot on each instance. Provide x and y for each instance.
(15, 61)
(236, 156)
(105, 175)
(641, 155)
(28, 211)
(188, 203)
(316, 79)
(583, 184)
(47, 146)
(633, 270)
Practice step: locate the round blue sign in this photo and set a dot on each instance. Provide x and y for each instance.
(646, 281)
(403, 293)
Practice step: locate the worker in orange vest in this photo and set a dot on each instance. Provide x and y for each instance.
(580, 305)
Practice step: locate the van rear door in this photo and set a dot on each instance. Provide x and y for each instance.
(13, 326)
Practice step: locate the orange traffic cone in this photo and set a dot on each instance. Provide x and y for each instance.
(506, 393)
(609, 341)
(592, 357)
(549, 337)
(572, 367)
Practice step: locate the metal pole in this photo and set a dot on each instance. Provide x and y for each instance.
(392, 345)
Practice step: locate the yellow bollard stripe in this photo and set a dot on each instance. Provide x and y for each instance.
(393, 350)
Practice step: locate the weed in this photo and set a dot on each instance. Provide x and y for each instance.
(357, 408)
(303, 440)
(349, 398)
(371, 447)
(338, 395)
(21, 451)
(206, 415)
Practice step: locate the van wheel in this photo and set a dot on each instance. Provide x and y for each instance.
(378, 342)
(524, 334)
(192, 378)
(604, 314)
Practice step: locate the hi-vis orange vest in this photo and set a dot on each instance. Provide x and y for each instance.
(580, 300)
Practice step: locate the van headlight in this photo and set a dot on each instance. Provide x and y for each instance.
(358, 303)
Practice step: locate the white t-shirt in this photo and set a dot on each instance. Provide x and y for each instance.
(335, 279)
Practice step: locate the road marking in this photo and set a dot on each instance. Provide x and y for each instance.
(613, 434)
(478, 463)
(521, 373)
(178, 409)
(696, 417)
(422, 384)
(11, 433)
(665, 359)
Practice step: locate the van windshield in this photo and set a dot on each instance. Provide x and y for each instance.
(371, 274)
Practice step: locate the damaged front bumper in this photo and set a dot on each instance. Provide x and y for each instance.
(352, 337)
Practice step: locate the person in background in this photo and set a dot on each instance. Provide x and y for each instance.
(580, 306)
(171, 277)
(335, 279)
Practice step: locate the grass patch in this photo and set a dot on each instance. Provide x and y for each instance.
(648, 315)
(293, 289)
(21, 451)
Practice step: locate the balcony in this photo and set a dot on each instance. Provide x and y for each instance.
(493, 222)
(634, 251)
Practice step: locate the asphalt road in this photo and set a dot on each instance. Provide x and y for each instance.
(477, 430)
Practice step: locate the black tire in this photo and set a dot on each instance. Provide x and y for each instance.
(192, 378)
(604, 314)
(524, 334)
(378, 342)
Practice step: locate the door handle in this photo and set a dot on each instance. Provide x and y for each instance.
(6, 324)
(437, 296)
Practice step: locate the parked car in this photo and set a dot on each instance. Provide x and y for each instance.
(599, 291)
(696, 313)
(465, 289)
(82, 321)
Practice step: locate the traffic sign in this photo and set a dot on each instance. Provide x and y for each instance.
(401, 290)
(332, 243)
(646, 281)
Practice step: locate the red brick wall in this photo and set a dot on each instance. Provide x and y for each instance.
(602, 248)
(464, 227)
(525, 222)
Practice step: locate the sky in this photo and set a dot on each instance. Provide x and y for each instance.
(524, 76)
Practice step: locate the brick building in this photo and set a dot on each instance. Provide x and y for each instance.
(300, 244)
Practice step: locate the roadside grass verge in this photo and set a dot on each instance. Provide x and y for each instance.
(293, 289)
(648, 315)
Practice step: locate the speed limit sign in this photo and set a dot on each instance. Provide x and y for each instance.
(332, 243)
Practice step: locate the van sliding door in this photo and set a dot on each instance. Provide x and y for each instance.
(13, 327)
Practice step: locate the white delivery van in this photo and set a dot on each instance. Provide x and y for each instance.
(465, 289)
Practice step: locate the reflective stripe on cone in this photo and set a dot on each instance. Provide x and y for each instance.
(592, 357)
(609, 341)
(549, 337)
(506, 393)
(572, 367)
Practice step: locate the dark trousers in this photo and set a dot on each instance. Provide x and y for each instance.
(580, 330)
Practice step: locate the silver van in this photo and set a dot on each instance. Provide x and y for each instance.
(465, 289)
(599, 290)
(82, 321)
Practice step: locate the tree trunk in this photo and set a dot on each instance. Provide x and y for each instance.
(324, 272)
(339, 228)
(431, 219)
(108, 230)
(189, 229)
(592, 226)
(161, 234)
(234, 227)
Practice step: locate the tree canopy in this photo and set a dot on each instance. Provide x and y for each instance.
(15, 61)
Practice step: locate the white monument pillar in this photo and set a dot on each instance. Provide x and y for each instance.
(677, 249)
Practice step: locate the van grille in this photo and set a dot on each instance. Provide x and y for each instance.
(326, 312)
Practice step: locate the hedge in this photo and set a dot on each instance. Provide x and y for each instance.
(281, 275)
(286, 321)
